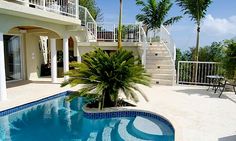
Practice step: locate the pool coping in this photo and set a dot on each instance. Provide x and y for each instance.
(177, 128)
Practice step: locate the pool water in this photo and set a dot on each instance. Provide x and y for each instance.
(59, 120)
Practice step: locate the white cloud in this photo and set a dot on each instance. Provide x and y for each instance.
(219, 26)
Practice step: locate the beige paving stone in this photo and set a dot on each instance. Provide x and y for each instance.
(197, 114)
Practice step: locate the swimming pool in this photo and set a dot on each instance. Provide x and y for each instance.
(54, 119)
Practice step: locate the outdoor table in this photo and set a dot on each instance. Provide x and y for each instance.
(214, 81)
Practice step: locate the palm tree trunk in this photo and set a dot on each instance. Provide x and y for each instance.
(197, 44)
(196, 53)
(120, 26)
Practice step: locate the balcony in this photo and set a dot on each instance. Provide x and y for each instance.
(67, 10)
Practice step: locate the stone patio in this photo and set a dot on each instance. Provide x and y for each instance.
(197, 114)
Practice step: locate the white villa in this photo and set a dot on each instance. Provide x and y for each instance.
(38, 39)
(35, 33)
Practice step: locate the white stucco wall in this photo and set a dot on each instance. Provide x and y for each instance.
(33, 56)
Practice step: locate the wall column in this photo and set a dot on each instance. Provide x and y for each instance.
(66, 56)
(3, 89)
(53, 60)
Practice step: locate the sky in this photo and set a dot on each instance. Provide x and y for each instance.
(218, 25)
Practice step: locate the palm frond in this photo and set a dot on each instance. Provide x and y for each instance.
(172, 20)
(196, 9)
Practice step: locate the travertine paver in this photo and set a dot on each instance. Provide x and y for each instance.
(199, 114)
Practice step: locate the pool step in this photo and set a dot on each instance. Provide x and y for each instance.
(107, 131)
(92, 136)
(124, 134)
(149, 129)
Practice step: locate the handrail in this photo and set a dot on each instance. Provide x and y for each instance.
(166, 38)
(143, 39)
(88, 21)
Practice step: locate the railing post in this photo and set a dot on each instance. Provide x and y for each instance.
(77, 9)
(178, 72)
(139, 33)
(44, 4)
(114, 35)
(85, 17)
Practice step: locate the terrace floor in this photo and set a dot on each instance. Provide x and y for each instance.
(197, 114)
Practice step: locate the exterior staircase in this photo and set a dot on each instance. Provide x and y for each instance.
(160, 64)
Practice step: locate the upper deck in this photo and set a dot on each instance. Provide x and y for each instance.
(67, 12)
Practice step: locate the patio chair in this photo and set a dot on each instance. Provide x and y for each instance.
(223, 84)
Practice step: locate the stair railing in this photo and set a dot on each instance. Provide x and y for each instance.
(143, 40)
(88, 21)
(166, 39)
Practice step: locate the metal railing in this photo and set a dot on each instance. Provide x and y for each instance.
(70, 8)
(193, 72)
(63, 7)
(143, 39)
(108, 32)
(166, 38)
(88, 21)
(130, 33)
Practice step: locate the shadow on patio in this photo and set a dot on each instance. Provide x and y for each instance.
(228, 138)
(202, 91)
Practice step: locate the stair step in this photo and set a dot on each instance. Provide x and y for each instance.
(124, 134)
(163, 82)
(159, 66)
(106, 134)
(147, 126)
(163, 76)
(157, 48)
(158, 62)
(161, 54)
(160, 71)
(92, 136)
(158, 57)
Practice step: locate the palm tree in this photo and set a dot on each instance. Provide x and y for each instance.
(196, 9)
(120, 25)
(105, 75)
(154, 13)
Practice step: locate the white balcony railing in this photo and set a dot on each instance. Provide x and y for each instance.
(70, 8)
(130, 33)
(63, 7)
(108, 32)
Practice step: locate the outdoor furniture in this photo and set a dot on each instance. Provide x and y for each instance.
(222, 85)
(214, 81)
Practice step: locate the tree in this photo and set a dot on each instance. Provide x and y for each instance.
(212, 53)
(229, 62)
(105, 75)
(120, 25)
(196, 9)
(154, 13)
(92, 7)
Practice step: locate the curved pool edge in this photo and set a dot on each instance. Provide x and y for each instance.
(176, 127)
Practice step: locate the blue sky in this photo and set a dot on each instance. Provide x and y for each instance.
(219, 24)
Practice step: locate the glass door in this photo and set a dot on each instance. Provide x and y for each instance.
(12, 57)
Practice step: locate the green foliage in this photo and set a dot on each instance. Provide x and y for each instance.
(229, 62)
(196, 9)
(154, 13)
(212, 53)
(94, 10)
(105, 75)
